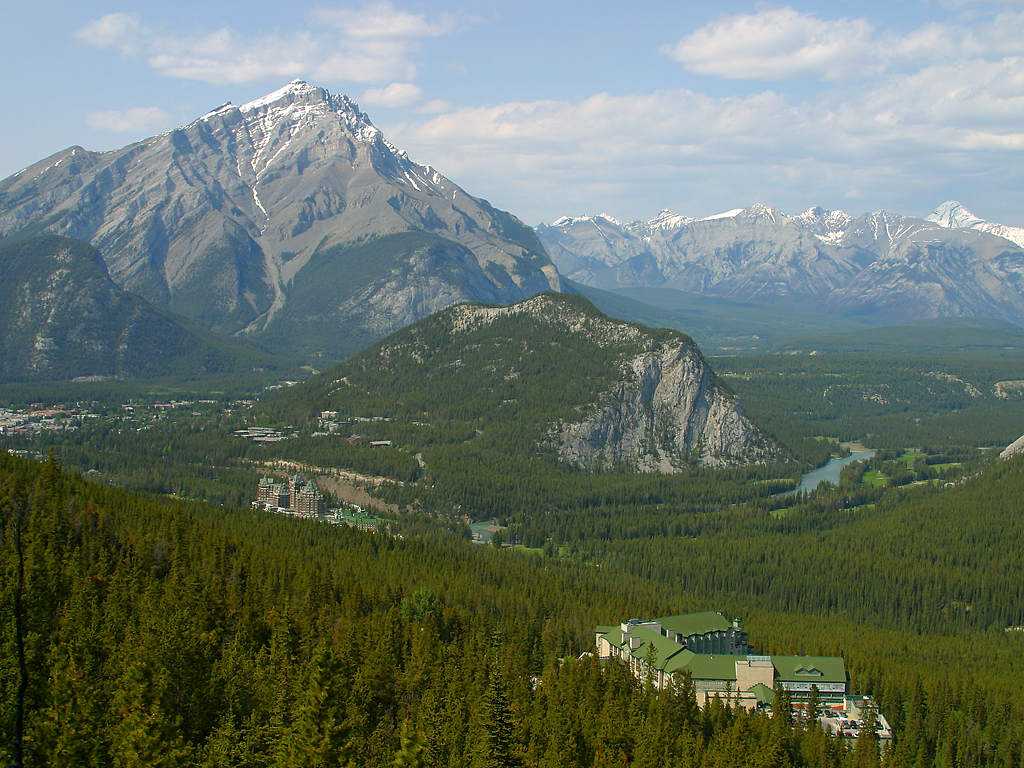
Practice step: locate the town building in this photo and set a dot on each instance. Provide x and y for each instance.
(296, 483)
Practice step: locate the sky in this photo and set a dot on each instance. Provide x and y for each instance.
(551, 108)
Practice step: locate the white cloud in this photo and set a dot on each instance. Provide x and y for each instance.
(222, 56)
(918, 111)
(374, 43)
(383, 21)
(967, 104)
(122, 32)
(393, 95)
(132, 120)
(902, 138)
(777, 43)
(433, 107)
(367, 62)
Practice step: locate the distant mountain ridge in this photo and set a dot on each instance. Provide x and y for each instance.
(219, 220)
(880, 264)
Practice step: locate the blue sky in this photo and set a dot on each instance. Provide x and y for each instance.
(549, 108)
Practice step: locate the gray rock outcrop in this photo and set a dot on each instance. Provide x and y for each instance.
(668, 410)
(1016, 448)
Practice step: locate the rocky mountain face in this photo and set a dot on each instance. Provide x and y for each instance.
(665, 409)
(554, 373)
(62, 317)
(880, 264)
(221, 219)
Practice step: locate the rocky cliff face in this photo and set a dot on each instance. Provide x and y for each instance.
(666, 410)
(220, 219)
(880, 264)
(1013, 450)
(659, 407)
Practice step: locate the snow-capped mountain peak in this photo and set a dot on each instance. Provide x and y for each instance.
(818, 215)
(290, 90)
(668, 219)
(297, 103)
(568, 221)
(953, 215)
(827, 225)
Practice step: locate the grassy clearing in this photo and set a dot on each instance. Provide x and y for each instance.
(911, 456)
(538, 551)
(875, 479)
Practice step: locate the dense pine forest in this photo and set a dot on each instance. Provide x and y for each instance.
(889, 388)
(150, 632)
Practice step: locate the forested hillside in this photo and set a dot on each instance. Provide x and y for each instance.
(547, 376)
(146, 632)
(934, 559)
(62, 317)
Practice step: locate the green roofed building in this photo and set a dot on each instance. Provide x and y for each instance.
(715, 652)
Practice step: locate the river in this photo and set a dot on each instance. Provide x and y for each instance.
(829, 473)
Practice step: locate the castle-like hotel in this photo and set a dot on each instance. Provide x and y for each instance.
(295, 496)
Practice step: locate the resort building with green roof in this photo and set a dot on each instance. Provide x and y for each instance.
(715, 652)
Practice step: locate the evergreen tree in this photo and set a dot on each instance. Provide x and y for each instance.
(143, 734)
(782, 706)
(812, 706)
(411, 750)
(315, 737)
(865, 752)
(497, 749)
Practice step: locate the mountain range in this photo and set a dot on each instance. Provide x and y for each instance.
(289, 219)
(291, 222)
(883, 265)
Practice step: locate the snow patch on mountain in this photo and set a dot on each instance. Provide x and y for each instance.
(732, 213)
(293, 88)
